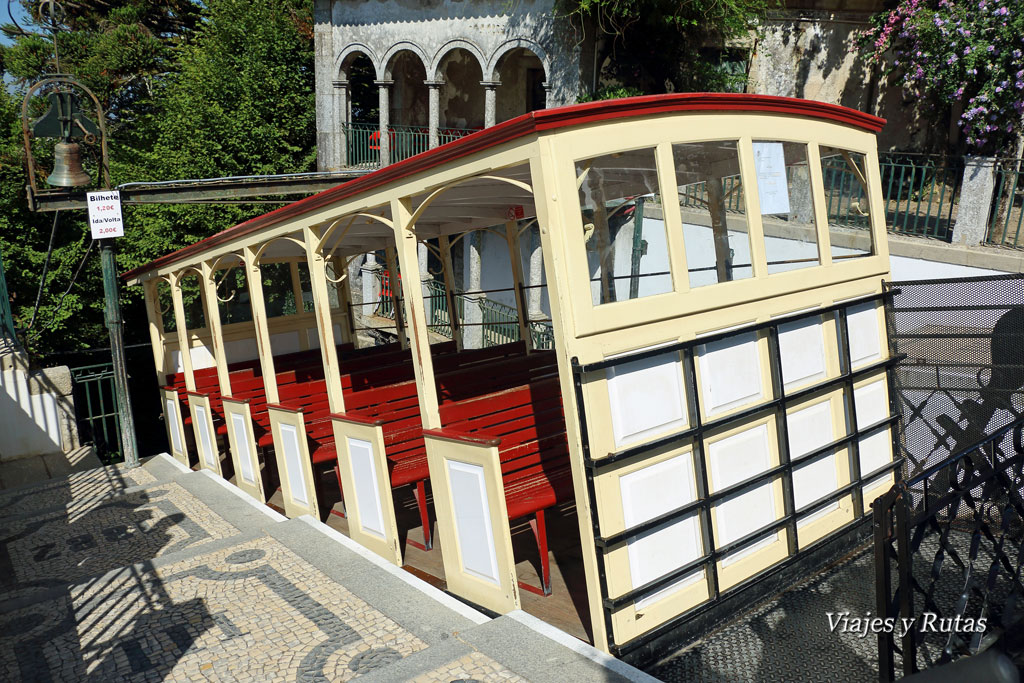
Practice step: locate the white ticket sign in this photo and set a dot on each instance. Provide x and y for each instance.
(772, 189)
(105, 214)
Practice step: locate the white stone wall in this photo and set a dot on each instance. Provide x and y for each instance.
(37, 411)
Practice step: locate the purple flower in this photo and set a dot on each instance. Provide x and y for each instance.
(1016, 54)
(1002, 11)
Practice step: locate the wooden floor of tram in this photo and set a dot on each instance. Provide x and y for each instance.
(566, 607)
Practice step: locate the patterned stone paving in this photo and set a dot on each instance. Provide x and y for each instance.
(90, 484)
(95, 535)
(252, 612)
(475, 666)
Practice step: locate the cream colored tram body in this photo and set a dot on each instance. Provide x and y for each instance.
(693, 394)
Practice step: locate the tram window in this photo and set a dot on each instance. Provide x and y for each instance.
(622, 228)
(277, 289)
(233, 296)
(847, 203)
(787, 205)
(713, 210)
(306, 287)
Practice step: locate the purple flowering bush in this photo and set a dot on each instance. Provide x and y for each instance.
(967, 52)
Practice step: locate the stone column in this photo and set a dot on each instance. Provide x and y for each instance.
(434, 111)
(341, 117)
(371, 286)
(536, 276)
(490, 102)
(547, 94)
(472, 334)
(976, 194)
(384, 106)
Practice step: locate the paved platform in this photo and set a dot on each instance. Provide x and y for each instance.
(161, 573)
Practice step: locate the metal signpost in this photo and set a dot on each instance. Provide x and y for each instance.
(105, 223)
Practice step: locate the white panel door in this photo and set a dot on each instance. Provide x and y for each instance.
(802, 352)
(730, 373)
(293, 464)
(206, 441)
(872, 405)
(865, 337)
(647, 398)
(367, 485)
(735, 459)
(646, 494)
(472, 521)
(809, 429)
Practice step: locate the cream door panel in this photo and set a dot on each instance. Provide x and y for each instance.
(175, 426)
(242, 443)
(292, 453)
(369, 502)
(206, 436)
(472, 523)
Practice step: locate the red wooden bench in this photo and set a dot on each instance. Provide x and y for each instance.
(527, 424)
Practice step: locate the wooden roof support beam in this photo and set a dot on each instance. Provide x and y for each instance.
(184, 346)
(395, 285)
(449, 290)
(324, 323)
(211, 309)
(407, 248)
(157, 336)
(515, 256)
(254, 280)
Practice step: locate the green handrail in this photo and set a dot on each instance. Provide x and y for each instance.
(362, 142)
(921, 193)
(500, 323)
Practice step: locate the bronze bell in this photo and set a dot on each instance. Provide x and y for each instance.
(67, 166)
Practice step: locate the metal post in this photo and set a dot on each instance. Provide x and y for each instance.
(115, 325)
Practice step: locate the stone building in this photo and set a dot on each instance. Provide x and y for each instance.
(442, 69)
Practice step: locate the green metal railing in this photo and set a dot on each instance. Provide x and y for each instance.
(921, 193)
(96, 410)
(500, 323)
(362, 142)
(1008, 216)
(6, 318)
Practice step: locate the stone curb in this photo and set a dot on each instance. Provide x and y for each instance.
(437, 595)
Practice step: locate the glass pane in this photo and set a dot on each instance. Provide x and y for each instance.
(193, 303)
(163, 293)
(711, 201)
(787, 205)
(306, 287)
(277, 289)
(233, 295)
(846, 201)
(627, 251)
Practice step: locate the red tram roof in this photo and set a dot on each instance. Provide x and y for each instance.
(529, 123)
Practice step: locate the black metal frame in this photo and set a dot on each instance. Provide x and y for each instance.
(901, 524)
(696, 433)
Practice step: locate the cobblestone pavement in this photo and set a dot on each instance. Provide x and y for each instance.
(161, 574)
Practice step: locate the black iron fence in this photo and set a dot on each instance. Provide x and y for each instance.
(963, 377)
(948, 558)
(96, 400)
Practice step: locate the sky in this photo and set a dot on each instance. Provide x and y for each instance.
(5, 17)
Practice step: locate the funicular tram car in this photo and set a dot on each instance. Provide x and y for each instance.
(715, 406)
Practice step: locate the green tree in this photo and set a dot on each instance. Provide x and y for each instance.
(961, 55)
(228, 93)
(656, 46)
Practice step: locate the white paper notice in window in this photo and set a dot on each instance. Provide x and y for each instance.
(772, 189)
